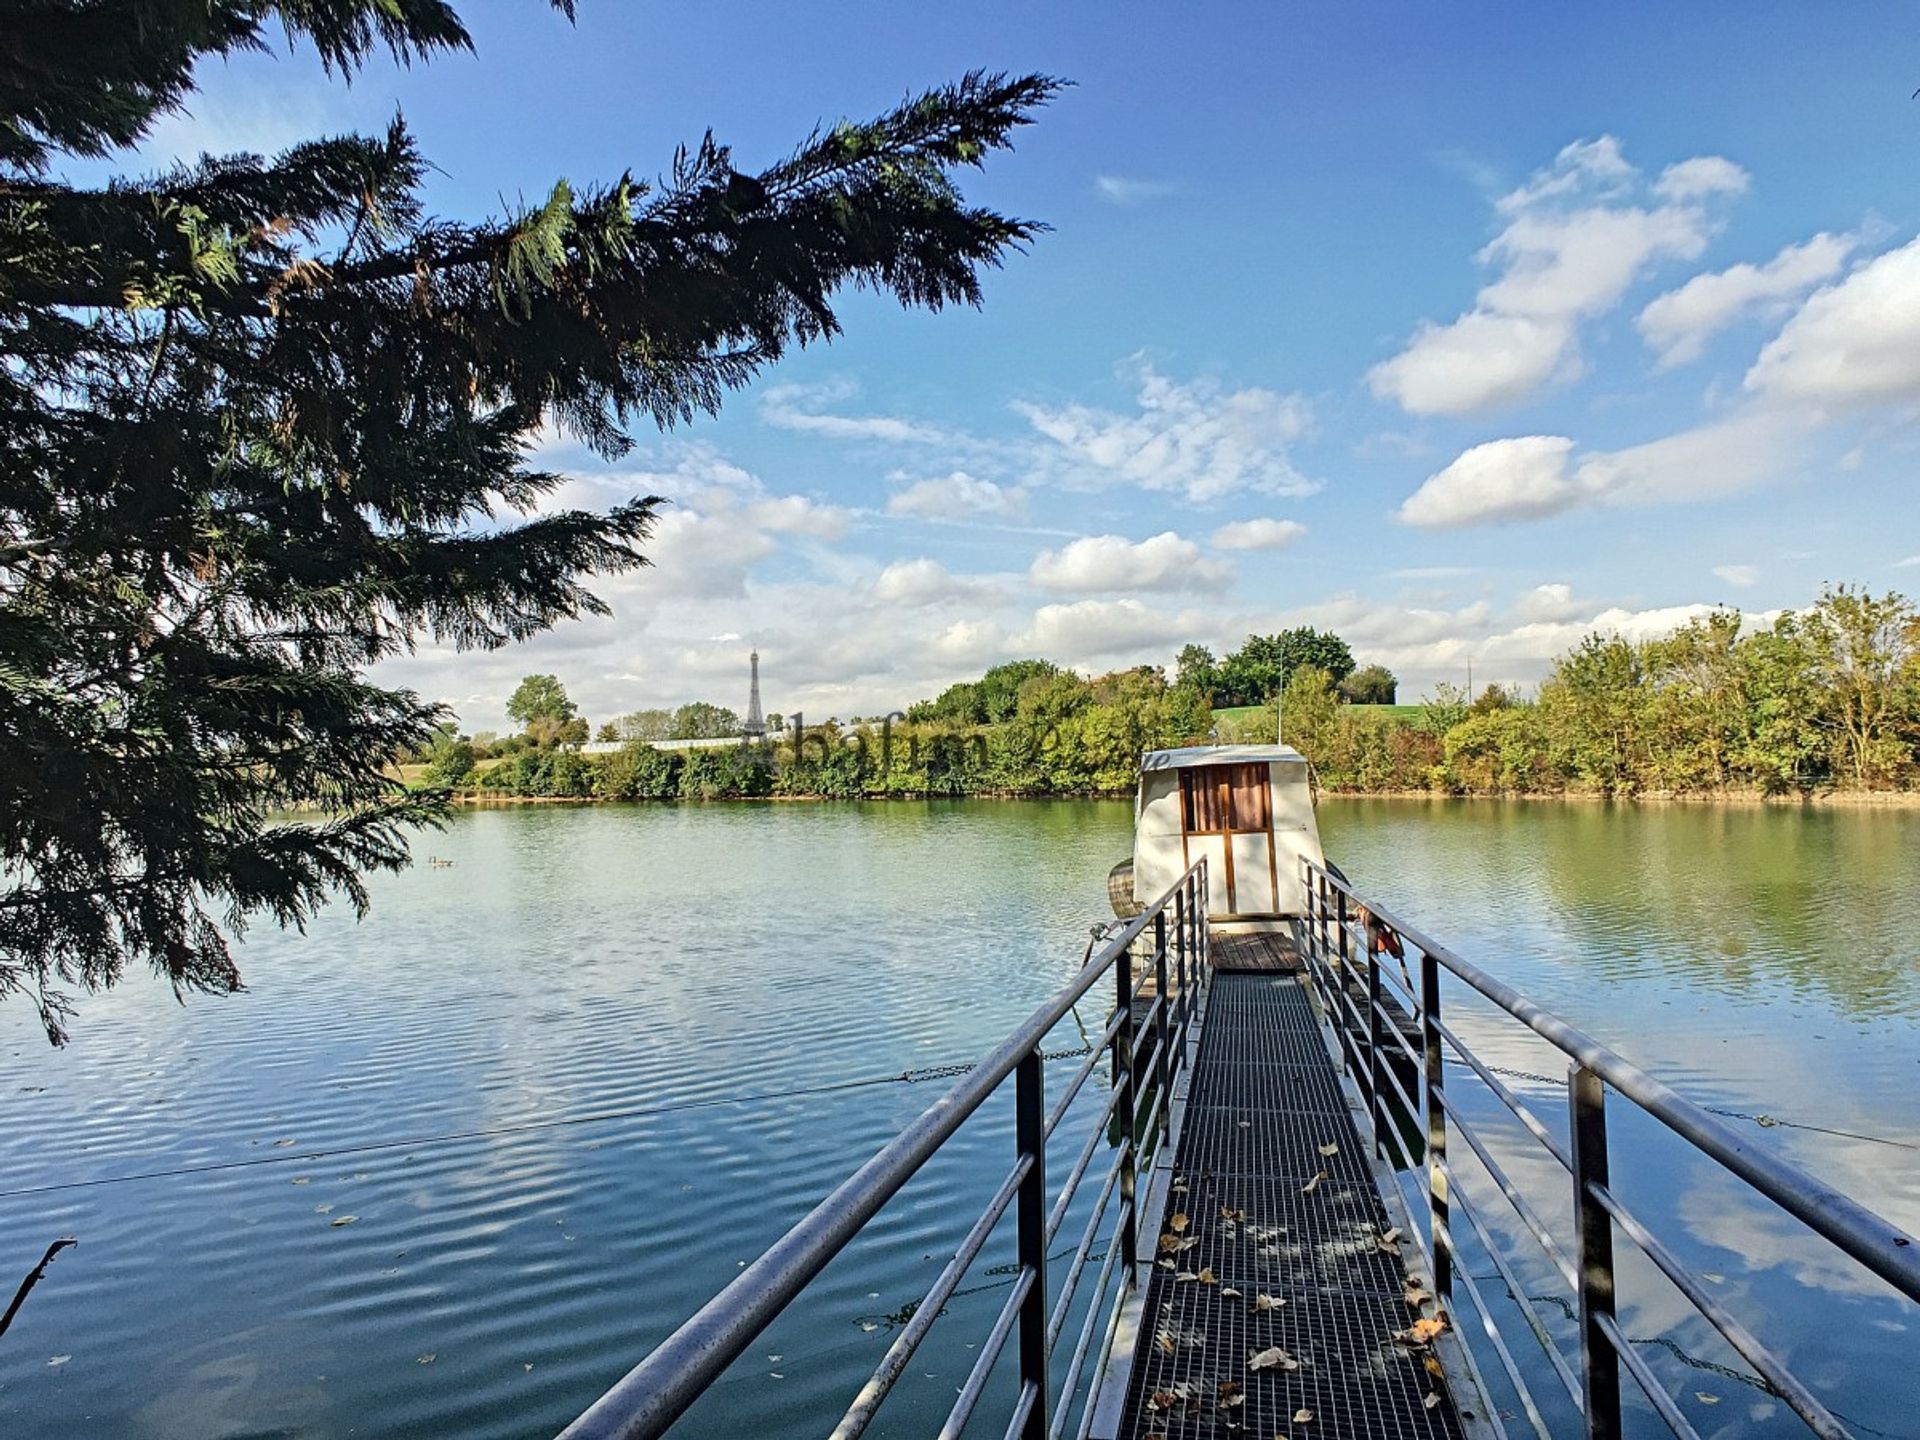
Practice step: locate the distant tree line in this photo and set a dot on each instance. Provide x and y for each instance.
(1823, 699)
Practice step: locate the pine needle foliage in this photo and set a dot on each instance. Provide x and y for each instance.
(267, 421)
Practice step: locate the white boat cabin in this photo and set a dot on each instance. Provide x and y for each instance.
(1247, 808)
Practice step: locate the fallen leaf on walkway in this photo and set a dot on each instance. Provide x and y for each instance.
(1330, 1149)
(426, 1359)
(1266, 1302)
(1232, 1393)
(343, 1220)
(59, 1359)
(1227, 1292)
(1185, 1275)
(1303, 1417)
(1422, 1332)
(1178, 1222)
(1207, 1277)
(1227, 1212)
(1391, 1239)
(1706, 1397)
(1313, 1184)
(1164, 1341)
(1272, 1358)
(1432, 1400)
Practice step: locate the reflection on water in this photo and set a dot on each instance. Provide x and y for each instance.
(580, 976)
(1764, 962)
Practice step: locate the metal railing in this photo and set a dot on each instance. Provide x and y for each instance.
(1343, 940)
(1147, 1052)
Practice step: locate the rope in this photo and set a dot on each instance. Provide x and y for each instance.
(916, 1076)
(1764, 1121)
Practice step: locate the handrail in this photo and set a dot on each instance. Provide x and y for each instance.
(647, 1401)
(1334, 912)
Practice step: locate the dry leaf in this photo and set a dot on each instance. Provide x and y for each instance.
(1329, 1149)
(1164, 1341)
(1303, 1417)
(1227, 1292)
(1266, 1302)
(1232, 1393)
(343, 1220)
(1416, 1297)
(1313, 1184)
(1165, 1264)
(1432, 1400)
(1423, 1332)
(1161, 1400)
(1706, 1397)
(1178, 1223)
(1186, 1275)
(1273, 1358)
(1207, 1277)
(1390, 1240)
(426, 1359)
(1227, 1212)
(1432, 1364)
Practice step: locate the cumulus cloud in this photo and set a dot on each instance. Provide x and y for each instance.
(1737, 575)
(1163, 562)
(1260, 534)
(927, 582)
(1531, 477)
(1522, 478)
(1198, 439)
(798, 515)
(1572, 244)
(1700, 177)
(1679, 323)
(958, 496)
(1853, 343)
(1548, 603)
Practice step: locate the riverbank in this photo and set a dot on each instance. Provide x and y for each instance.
(1742, 799)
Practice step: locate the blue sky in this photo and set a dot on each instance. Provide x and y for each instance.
(1461, 329)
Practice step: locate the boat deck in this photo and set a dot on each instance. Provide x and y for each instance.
(1270, 1192)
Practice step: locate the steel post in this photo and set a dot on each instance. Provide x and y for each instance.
(1593, 1256)
(1375, 1050)
(1162, 1059)
(1124, 1040)
(1433, 1086)
(1030, 1218)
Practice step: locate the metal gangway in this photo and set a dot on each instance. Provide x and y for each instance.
(1270, 1246)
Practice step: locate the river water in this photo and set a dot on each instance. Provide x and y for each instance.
(449, 1171)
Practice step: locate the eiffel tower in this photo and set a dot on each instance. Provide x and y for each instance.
(754, 727)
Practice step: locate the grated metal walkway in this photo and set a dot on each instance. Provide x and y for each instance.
(1251, 1217)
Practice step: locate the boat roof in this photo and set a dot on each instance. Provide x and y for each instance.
(1217, 755)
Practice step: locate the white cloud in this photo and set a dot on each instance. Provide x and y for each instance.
(1196, 439)
(1740, 576)
(1700, 177)
(958, 496)
(1549, 602)
(1679, 323)
(801, 408)
(1523, 478)
(1262, 534)
(1164, 562)
(1853, 343)
(1531, 477)
(1908, 563)
(927, 582)
(1087, 631)
(798, 515)
(1122, 191)
(1571, 247)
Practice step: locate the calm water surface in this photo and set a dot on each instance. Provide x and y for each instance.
(609, 1008)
